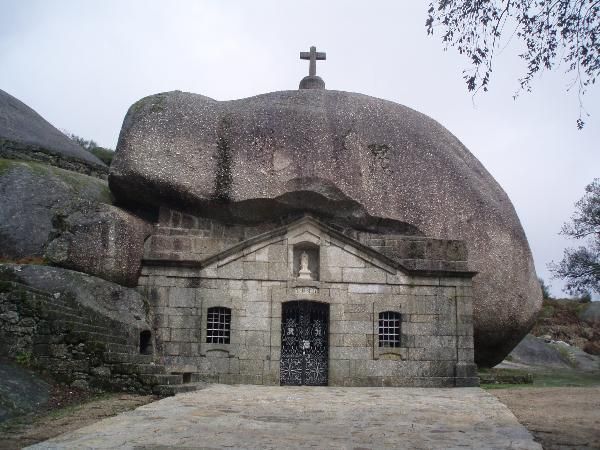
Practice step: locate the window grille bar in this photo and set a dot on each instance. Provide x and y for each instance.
(389, 329)
(218, 325)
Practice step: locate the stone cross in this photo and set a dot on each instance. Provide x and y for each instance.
(313, 56)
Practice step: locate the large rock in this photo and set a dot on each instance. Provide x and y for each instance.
(125, 305)
(535, 352)
(101, 240)
(339, 154)
(21, 391)
(31, 196)
(24, 134)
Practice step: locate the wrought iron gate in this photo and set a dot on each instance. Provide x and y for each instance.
(304, 343)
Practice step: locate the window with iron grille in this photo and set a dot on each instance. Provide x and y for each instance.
(218, 325)
(389, 329)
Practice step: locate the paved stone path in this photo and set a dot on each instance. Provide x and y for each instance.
(260, 417)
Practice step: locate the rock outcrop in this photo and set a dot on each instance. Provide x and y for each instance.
(24, 134)
(107, 299)
(72, 326)
(338, 155)
(535, 352)
(21, 391)
(102, 240)
(31, 196)
(83, 331)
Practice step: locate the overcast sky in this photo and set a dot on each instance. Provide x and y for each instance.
(81, 64)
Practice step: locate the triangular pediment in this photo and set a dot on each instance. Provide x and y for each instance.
(304, 230)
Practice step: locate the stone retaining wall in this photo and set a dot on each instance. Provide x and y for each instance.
(52, 333)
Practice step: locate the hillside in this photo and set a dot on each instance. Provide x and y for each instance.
(572, 321)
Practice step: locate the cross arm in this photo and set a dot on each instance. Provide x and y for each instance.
(318, 55)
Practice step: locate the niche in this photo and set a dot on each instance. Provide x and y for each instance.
(306, 261)
(146, 343)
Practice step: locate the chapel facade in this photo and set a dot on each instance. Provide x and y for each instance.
(306, 303)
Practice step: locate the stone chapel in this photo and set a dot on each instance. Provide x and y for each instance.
(295, 292)
(300, 237)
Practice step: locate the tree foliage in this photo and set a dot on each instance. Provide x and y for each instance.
(103, 154)
(88, 145)
(580, 266)
(545, 289)
(552, 32)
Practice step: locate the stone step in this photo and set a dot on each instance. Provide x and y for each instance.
(60, 300)
(197, 378)
(76, 336)
(112, 347)
(142, 369)
(131, 358)
(57, 315)
(150, 369)
(82, 316)
(154, 379)
(169, 389)
(54, 306)
(79, 326)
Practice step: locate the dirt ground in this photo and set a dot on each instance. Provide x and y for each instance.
(559, 418)
(29, 430)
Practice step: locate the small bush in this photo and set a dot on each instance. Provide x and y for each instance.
(103, 154)
(24, 358)
(545, 289)
(586, 297)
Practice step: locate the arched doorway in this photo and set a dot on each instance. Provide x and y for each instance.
(304, 343)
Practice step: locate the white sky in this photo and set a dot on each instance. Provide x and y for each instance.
(81, 64)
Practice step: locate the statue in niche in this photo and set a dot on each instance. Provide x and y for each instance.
(304, 273)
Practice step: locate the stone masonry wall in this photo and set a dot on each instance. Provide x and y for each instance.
(76, 345)
(437, 340)
(184, 237)
(419, 253)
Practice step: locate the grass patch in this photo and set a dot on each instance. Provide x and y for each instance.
(495, 377)
(24, 358)
(103, 154)
(8, 164)
(547, 378)
(5, 166)
(567, 378)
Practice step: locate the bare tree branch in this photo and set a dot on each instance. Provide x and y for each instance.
(552, 31)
